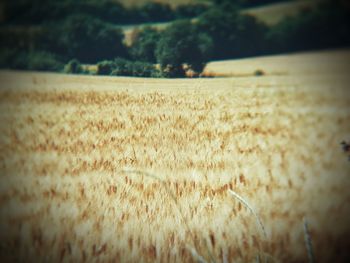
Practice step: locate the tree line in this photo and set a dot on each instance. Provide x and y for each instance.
(219, 31)
(36, 12)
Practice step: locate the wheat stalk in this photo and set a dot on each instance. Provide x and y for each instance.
(194, 253)
(224, 258)
(308, 242)
(259, 222)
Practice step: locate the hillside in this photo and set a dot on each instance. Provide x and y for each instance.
(138, 170)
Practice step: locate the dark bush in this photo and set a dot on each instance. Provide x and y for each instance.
(134, 68)
(124, 67)
(173, 71)
(259, 72)
(105, 67)
(143, 69)
(74, 67)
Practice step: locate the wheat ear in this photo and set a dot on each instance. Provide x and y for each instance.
(140, 172)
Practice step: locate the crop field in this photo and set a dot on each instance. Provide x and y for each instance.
(273, 13)
(103, 169)
(295, 64)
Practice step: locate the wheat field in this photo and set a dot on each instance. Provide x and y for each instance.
(101, 169)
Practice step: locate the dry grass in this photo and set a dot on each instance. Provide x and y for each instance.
(67, 143)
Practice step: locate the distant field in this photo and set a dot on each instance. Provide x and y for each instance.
(69, 143)
(273, 13)
(297, 64)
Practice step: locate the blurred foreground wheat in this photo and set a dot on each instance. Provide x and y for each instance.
(68, 142)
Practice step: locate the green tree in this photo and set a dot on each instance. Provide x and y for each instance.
(234, 35)
(326, 26)
(87, 39)
(144, 69)
(181, 44)
(144, 46)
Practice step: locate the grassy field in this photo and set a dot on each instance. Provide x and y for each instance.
(138, 170)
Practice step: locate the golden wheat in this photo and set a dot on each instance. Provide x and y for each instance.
(138, 170)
